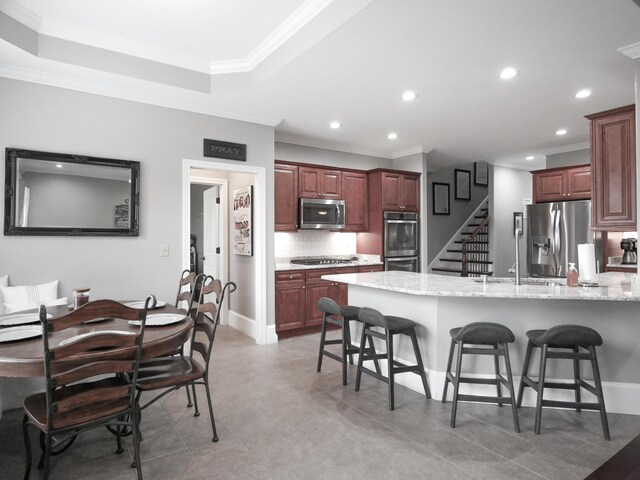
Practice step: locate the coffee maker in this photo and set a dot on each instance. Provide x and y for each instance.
(628, 245)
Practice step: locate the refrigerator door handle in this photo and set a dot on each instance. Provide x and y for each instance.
(557, 248)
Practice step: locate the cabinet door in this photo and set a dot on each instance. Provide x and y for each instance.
(331, 184)
(390, 191)
(410, 198)
(314, 293)
(613, 161)
(308, 182)
(286, 198)
(290, 306)
(355, 196)
(578, 182)
(548, 186)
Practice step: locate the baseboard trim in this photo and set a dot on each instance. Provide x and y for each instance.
(244, 324)
(272, 336)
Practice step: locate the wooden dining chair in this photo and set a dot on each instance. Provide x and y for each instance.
(90, 380)
(171, 373)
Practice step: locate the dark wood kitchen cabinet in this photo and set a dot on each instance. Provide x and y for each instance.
(354, 188)
(319, 183)
(316, 289)
(613, 161)
(400, 191)
(562, 184)
(286, 198)
(290, 300)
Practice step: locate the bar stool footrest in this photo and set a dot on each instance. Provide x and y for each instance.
(572, 405)
(484, 399)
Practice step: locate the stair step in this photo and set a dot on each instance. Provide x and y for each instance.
(484, 262)
(451, 270)
(454, 250)
(473, 241)
(480, 216)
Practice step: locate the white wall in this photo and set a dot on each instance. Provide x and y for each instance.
(332, 158)
(507, 189)
(566, 159)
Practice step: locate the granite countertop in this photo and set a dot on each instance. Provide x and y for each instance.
(614, 286)
(294, 266)
(622, 265)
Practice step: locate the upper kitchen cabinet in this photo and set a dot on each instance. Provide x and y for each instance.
(400, 191)
(319, 183)
(613, 162)
(286, 198)
(354, 186)
(562, 184)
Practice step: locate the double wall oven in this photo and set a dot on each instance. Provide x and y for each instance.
(401, 241)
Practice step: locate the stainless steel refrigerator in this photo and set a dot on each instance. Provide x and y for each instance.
(554, 231)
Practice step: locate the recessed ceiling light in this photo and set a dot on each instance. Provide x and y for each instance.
(508, 73)
(530, 157)
(335, 125)
(562, 131)
(409, 95)
(584, 93)
(392, 136)
(58, 165)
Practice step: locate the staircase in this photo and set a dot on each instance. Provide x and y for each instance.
(467, 253)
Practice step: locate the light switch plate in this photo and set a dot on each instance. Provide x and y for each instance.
(164, 250)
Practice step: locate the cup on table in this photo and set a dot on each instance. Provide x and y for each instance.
(80, 296)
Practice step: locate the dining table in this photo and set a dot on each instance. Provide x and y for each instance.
(25, 358)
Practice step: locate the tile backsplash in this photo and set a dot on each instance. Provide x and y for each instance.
(308, 243)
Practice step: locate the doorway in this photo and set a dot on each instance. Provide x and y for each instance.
(249, 273)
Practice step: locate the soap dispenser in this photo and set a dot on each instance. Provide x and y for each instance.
(572, 276)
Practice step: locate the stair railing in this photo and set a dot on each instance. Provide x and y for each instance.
(473, 252)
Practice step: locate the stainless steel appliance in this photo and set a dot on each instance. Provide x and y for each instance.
(317, 213)
(401, 241)
(554, 231)
(628, 245)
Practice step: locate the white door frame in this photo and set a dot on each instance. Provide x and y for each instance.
(259, 231)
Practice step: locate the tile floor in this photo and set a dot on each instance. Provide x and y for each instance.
(278, 419)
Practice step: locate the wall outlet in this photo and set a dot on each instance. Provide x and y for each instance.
(164, 250)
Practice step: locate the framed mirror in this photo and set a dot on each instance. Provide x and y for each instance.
(62, 194)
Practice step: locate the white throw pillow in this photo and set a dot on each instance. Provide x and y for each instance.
(19, 307)
(4, 282)
(32, 294)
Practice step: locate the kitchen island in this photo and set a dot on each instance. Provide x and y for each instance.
(438, 303)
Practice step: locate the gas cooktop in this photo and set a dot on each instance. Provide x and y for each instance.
(321, 261)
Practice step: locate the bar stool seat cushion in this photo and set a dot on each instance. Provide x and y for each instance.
(483, 333)
(350, 312)
(565, 336)
(399, 324)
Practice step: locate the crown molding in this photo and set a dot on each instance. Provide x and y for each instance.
(408, 151)
(327, 146)
(21, 14)
(194, 104)
(567, 148)
(631, 51)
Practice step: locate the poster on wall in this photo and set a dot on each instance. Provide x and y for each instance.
(243, 221)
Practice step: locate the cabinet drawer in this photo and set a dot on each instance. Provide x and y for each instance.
(313, 276)
(341, 270)
(371, 268)
(290, 277)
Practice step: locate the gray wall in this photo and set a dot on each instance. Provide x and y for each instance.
(332, 158)
(46, 118)
(508, 188)
(440, 228)
(566, 159)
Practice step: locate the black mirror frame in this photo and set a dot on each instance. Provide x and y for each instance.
(11, 163)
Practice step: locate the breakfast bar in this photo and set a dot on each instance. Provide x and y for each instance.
(438, 303)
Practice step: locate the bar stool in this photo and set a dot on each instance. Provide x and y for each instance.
(391, 326)
(489, 339)
(341, 316)
(562, 338)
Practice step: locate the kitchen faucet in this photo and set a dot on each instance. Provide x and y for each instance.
(516, 266)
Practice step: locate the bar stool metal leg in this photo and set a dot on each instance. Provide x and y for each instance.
(423, 375)
(452, 348)
(525, 372)
(323, 335)
(456, 385)
(576, 376)
(598, 385)
(360, 357)
(496, 364)
(540, 385)
(390, 372)
(514, 408)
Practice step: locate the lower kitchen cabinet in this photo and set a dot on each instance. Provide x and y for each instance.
(290, 300)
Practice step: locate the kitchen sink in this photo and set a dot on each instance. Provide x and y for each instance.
(543, 282)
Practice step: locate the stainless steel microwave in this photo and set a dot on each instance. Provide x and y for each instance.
(317, 213)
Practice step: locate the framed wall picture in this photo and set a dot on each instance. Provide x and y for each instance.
(463, 184)
(243, 221)
(440, 198)
(481, 173)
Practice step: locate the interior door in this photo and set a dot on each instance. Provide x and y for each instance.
(211, 242)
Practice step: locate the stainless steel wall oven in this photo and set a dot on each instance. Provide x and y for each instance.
(401, 241)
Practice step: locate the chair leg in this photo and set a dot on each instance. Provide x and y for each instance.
(47, 454)
(576, 376)
(27, 446)
(373, 352)
(390, 373)
(452, 349)
(423, 374)
(323, 334)
(119, 450)
(135, 429)
(213, 422)
(196, 413)
(525, 372)
(599, 394)
(541, 375)
(363, 342)
(496, 365)
(345, 324)
(456, 385)
(189, 404)
(514, 408)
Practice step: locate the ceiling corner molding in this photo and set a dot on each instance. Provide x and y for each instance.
(21, 14)
(567, 148)
(631, 51)
(326, 146)
(408, 151)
